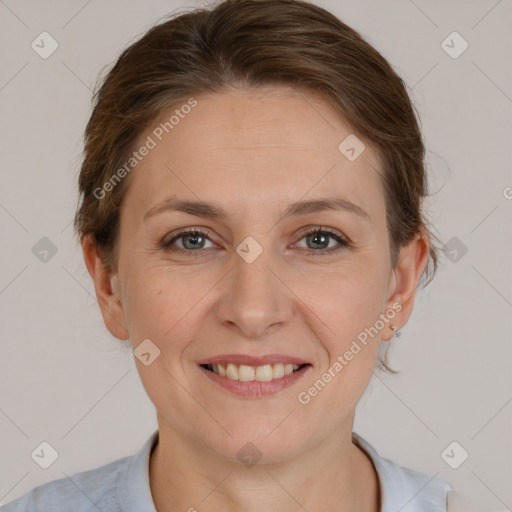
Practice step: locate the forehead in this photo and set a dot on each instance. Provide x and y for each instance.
(246, 146)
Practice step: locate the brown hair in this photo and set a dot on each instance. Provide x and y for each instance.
(251, 43)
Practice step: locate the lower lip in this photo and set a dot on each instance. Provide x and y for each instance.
(256, 388)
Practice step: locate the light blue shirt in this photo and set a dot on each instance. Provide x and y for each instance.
(123, 485)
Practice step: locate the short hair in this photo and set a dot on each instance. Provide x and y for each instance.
(247, 44)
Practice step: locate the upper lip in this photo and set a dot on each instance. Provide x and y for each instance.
(253, 360)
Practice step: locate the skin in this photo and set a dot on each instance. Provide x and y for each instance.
(254, 152)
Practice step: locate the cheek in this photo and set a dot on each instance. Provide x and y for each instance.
(154, 305)
(166, 307)
(348, 306)
(347, 299)
(348, 303)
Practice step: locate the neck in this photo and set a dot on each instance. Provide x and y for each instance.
(336, 476)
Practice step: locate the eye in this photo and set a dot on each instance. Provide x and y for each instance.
(320, 237)
(191, 240)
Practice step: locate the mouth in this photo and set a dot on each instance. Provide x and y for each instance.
(254, 377)
(246, 373)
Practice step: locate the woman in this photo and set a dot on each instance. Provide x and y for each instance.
(251, 217)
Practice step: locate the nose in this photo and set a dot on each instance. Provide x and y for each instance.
(255, 298)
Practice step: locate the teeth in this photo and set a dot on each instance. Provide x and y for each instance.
(246, 373)
(278, 371)
(263, 373)
(232, 372)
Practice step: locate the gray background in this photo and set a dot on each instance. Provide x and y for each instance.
(67, 381)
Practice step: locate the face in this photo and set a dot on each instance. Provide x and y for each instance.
(254, 280)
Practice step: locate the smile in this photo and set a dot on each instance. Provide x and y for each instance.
(245, 373)
(251, 376)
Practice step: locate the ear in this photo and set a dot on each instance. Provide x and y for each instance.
(412, 261)
(107, 290)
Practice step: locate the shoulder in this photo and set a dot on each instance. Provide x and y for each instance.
(81, 492)
(463, 501)
(403, 487)
(421, 491)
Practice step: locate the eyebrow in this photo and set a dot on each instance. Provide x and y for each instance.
(209, 210)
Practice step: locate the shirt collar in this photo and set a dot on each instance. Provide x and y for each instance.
(133, 490)
(399, 486)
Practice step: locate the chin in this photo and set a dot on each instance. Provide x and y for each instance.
(258, 445)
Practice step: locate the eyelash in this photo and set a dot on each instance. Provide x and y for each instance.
(343, 242)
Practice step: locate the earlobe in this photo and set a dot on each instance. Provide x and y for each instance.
(106, 290)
